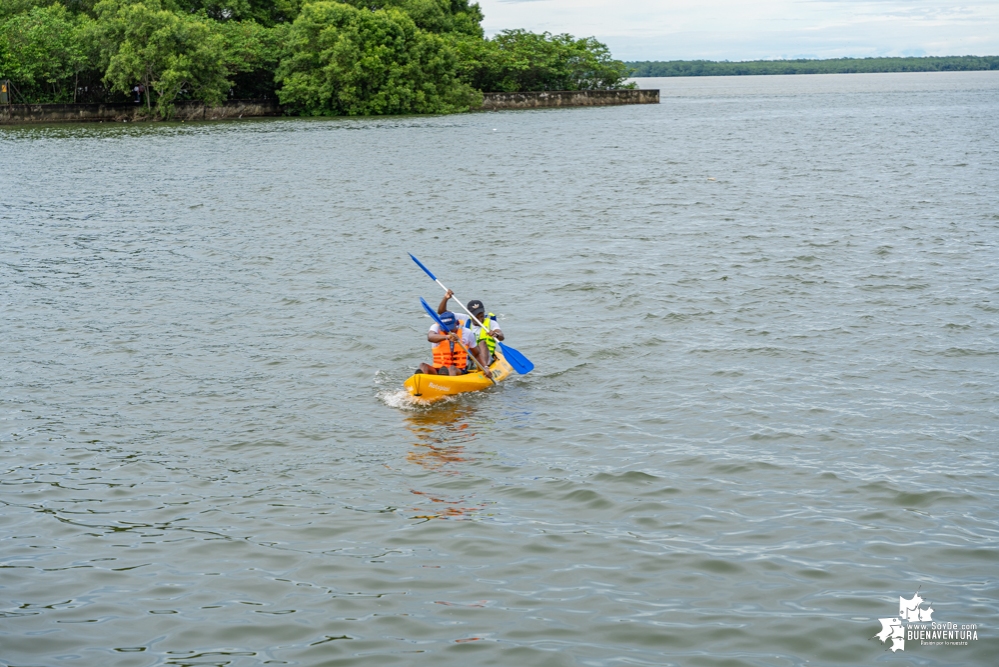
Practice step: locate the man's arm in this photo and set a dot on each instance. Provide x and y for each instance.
(495, 332)
(436, 337)
(443, 304)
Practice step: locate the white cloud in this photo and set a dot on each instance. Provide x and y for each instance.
(738, 30)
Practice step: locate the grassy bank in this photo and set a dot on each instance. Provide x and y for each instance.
(830, 66)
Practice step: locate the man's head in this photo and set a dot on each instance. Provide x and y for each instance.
(449, 320)
(476, 308)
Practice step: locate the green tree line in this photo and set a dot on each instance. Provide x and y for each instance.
(830, 66)
(317, 57)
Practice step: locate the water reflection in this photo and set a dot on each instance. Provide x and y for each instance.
(442, 434)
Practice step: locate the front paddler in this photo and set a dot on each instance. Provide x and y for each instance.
(450, 358)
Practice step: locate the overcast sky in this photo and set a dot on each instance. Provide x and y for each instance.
(747, 30)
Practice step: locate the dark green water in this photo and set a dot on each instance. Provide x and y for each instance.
(764, 315)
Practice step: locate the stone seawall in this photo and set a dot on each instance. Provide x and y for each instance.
(12, 114)
(15, 114)
(567, 98)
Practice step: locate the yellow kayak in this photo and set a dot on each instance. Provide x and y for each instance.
(430, 388)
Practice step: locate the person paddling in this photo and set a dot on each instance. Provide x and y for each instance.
(450, 358)
(486, 335)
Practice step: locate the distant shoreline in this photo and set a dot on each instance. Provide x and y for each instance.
(654, 68)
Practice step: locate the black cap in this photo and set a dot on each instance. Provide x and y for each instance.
(475, 307)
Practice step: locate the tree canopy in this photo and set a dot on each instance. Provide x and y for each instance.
(43, 48)
(349, 61)
(518, 60)
(168, 52)
(318, 57)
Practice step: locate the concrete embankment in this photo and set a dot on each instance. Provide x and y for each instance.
(16, 114)
(12, 114)
(567, 98)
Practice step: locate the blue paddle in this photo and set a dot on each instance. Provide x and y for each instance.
(445, 329)
(517, 361)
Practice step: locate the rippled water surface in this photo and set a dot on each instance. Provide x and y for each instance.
(766, 405)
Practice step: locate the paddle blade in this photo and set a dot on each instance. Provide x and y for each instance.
(432, 313)
(425, 269)
(517, 361)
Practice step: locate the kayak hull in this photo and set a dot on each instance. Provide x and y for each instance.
(429, 388)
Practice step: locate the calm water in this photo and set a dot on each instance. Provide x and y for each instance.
(765, 319)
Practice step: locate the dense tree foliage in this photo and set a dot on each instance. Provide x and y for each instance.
(343, 57)
(517, 60)
(44, 49)
(831, 66)
(349, 61)
(167, 52)
(252, 53)
(436, 16)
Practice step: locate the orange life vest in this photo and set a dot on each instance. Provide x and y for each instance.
(447, 353)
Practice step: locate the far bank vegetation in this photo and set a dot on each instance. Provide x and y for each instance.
(802, 66)
(351, 57)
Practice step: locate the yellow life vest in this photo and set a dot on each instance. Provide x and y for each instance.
(487, 326)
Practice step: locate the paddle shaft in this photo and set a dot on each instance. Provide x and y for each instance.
(446, 290)
(473, 358)
(474, 318)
